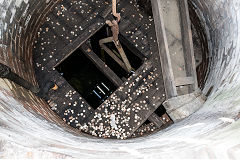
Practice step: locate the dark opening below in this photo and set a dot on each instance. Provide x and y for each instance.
(134, 60)
(85, 78)
(160, 111)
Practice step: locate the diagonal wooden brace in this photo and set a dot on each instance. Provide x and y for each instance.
(124, 63)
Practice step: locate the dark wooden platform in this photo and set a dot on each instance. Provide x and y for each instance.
(67, 28)
(147, 129)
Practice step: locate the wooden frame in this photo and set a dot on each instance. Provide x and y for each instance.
(170, 87)
(188, 44)
(191, 77)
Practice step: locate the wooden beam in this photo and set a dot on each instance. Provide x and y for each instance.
(120, 50)
(154, 118)
(101, 65)
(124, 57)
(188, 43)
(67, 50)
(152, 106)
(183, 81)
(163, 50)
(111, 54)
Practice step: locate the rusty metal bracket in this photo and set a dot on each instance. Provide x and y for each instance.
(115, 32)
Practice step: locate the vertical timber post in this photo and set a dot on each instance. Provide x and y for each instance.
(188, 44)
(163, 50)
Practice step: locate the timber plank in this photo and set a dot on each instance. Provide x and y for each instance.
(68, 49)
(154, 118)
(101, 66)
(188, 44)
(163, 50)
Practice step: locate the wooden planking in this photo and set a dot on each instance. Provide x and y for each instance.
(167, 72)
(146, 76)
(45, 59)
(188, 43)
(130, 28)
(152, 103)
(132, 34)
(133, 49)
(59, 27)
(71, 47)
(135, 80)
(57, 32)
(144, 130)
(131, 105)
(114, 78)
(67, 96)
(101, 65)
(136, 38)
(67, 23)
(126, 91)
(46, 45)
(149, 32)
(66, 50)
(147, 129)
